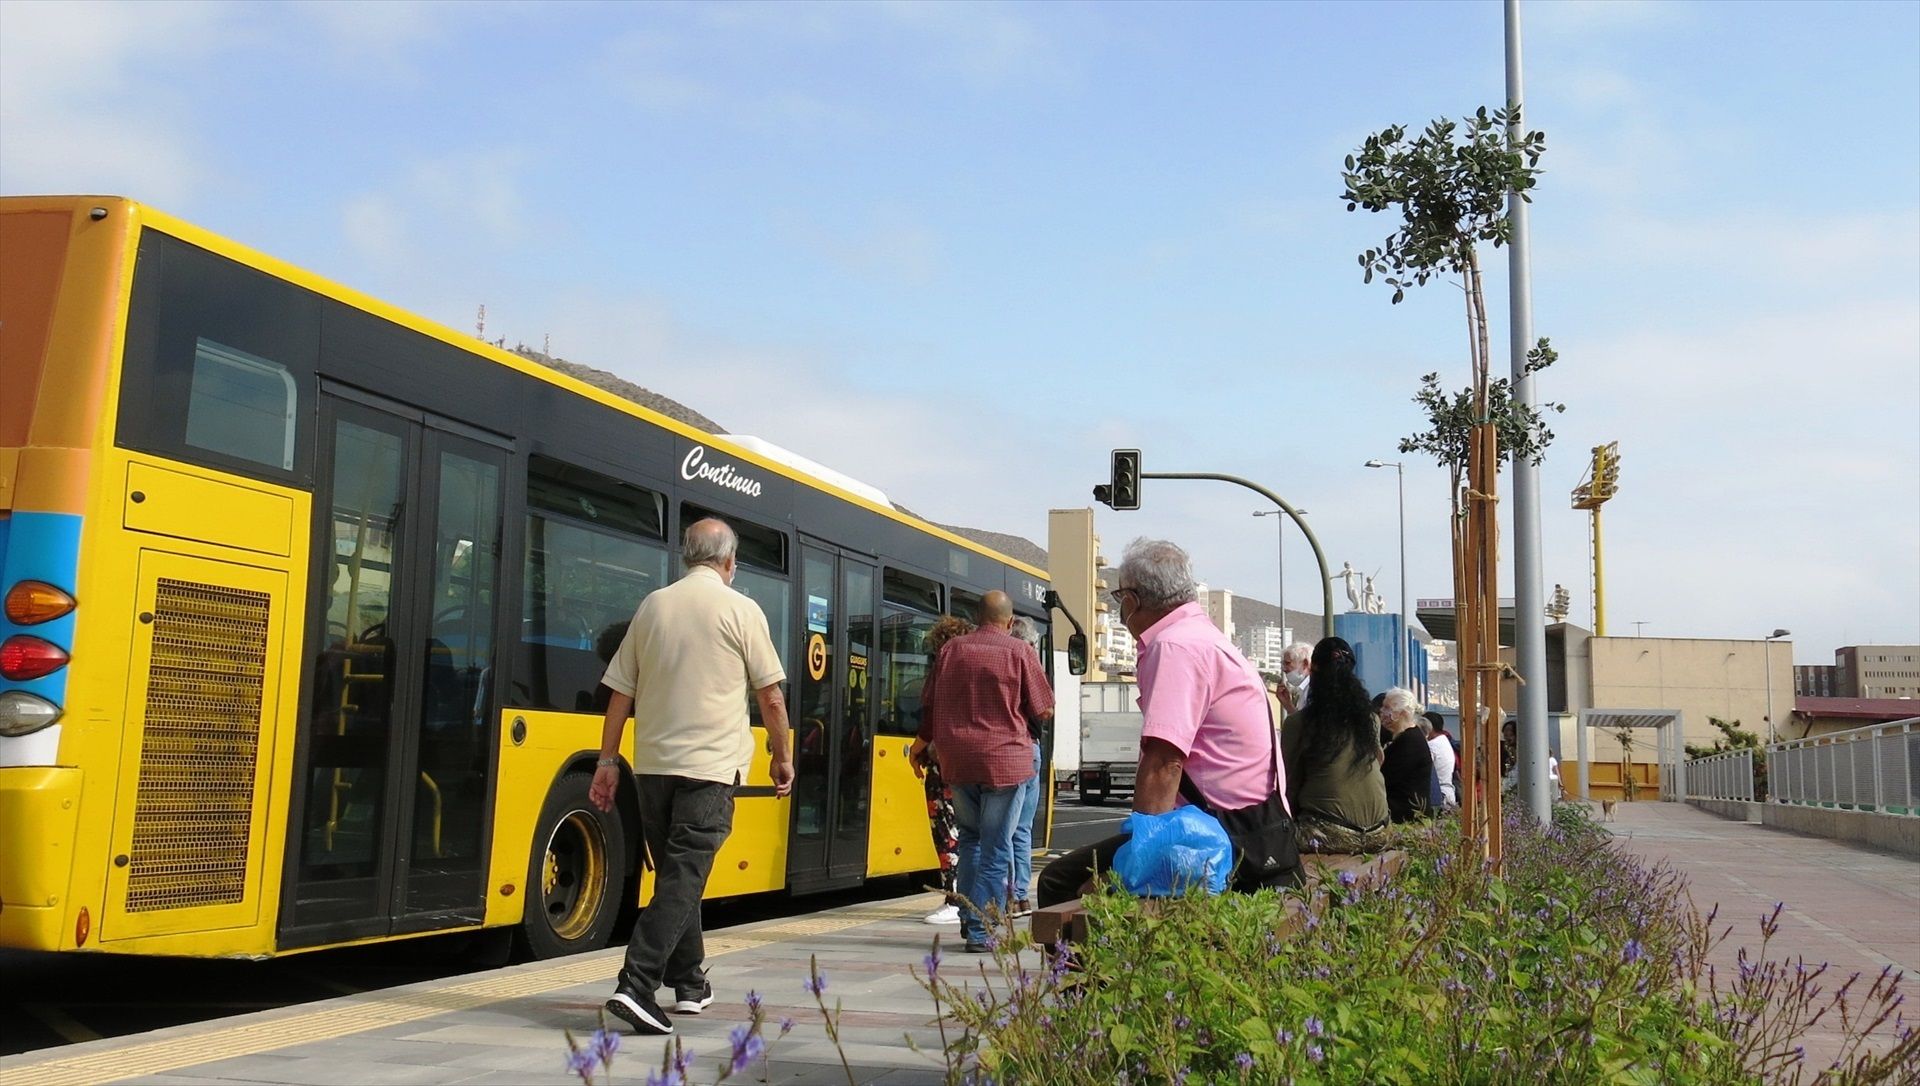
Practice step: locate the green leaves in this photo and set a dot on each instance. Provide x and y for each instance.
(1450, 185)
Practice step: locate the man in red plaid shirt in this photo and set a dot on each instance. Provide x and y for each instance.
(983, 688)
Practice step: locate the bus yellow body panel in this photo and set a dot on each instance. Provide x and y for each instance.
(898, 838)
(43, 801)
(527, 770)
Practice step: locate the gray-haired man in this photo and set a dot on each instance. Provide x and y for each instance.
(1204, 707)
(683, 671)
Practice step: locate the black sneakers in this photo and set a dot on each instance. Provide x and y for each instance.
(641, 1012)
(695, 1001)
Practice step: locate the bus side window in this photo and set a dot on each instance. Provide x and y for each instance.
(241, 405)
(595, 548)
(910, 608)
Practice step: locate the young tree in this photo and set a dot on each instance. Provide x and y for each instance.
(1450, 185)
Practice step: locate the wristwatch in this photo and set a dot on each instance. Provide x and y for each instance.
(607, 763)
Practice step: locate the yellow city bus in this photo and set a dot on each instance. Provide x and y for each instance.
(307, 598)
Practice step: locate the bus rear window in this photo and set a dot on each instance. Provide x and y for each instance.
(241, 405)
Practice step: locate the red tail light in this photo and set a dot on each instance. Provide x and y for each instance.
(31, 602)
(23, 657)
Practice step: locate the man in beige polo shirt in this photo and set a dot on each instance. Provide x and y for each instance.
(691, 654)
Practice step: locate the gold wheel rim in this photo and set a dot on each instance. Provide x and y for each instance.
(574, 875)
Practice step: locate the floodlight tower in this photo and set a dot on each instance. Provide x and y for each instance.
(1602, 483)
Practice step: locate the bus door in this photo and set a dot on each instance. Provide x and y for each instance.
(832, 721)
(393, 777)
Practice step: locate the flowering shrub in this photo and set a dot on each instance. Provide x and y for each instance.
(1573, 963)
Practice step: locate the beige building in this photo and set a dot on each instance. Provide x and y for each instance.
(1080, 574)
(1219, 604)
(1878, 671)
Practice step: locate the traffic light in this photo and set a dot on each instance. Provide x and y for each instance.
(1126, 479)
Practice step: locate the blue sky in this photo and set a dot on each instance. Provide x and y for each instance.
(960, 251)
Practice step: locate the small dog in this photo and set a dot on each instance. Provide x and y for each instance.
(1606, 809)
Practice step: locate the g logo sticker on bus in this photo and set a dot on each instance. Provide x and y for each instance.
(817, 657)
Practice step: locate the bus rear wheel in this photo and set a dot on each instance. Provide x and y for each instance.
(575, 875)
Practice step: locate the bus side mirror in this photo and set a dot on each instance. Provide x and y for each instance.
(1077, 654)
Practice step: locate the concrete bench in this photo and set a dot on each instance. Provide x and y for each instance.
(1068, 921)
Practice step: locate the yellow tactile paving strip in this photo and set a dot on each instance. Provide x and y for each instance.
(357, 1014)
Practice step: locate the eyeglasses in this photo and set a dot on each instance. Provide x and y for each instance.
(1114, 593)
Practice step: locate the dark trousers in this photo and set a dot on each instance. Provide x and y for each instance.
(1063, 877)
(683, 823)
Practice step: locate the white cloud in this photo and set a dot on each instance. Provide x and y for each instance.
(892, 247)
(470, 202)
(79, 114)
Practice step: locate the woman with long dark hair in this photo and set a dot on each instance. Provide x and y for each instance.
(940, 813)
(1331, 749)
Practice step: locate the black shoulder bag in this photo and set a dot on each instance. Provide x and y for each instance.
(1263, 847)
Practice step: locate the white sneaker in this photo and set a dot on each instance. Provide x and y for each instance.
(945, 914)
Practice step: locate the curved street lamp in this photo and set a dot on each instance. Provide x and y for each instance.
(1282, 601)
(1766, 649)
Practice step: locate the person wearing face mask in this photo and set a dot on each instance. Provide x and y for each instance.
(1205, 712)
(1296, 670)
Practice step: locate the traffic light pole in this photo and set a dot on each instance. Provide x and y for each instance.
(1326, 578)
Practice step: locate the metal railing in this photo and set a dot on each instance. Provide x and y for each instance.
(1875, 768)
(1728, 775)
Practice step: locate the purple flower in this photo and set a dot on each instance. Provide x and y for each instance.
(581, 1062)
(1245, 1060)
(753, 1001)
(815, 984)
(1315, 1027)
(670, 1077)
(932, 962)
(1633, 951)
(1316, 1053)
(603, 1045)
(1283, 1037)
(1347, 879)
(786, 1026)
(747, 1047)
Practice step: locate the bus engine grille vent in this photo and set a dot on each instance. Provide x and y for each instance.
(194, 808)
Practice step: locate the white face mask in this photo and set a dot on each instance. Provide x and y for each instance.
(1295, 679)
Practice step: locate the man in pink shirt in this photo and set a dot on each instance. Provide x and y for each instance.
(1206, 709)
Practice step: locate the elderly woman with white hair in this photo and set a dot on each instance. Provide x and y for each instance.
(1407, 764)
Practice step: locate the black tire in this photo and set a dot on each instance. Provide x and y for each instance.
(576, 874)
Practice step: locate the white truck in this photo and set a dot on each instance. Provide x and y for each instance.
(1109, 752)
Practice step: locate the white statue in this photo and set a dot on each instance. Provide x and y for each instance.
(1352, 576)
(1374, 605)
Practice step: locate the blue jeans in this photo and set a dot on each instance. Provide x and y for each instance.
(1023, 833)
(985, 816)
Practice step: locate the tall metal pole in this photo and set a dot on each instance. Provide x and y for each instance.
(1404, 650)
(1280, 533)
(1282, 525)
(1529, 596)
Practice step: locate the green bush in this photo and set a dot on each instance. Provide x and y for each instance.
(1571, 964)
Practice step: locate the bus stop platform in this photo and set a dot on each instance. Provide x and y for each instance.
(505, 1026)
(1849, 906)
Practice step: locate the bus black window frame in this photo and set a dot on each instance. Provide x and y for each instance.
(765, 557)
(551, 482)
(185, 296)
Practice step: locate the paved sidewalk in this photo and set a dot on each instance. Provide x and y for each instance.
(1849, 906)
(505, 1026)
(1854, 907)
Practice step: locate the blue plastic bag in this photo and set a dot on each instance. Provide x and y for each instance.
(1170, 852)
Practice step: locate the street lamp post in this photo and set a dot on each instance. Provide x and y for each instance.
(1282, 601)
(1400, 651)
(1766, 647)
